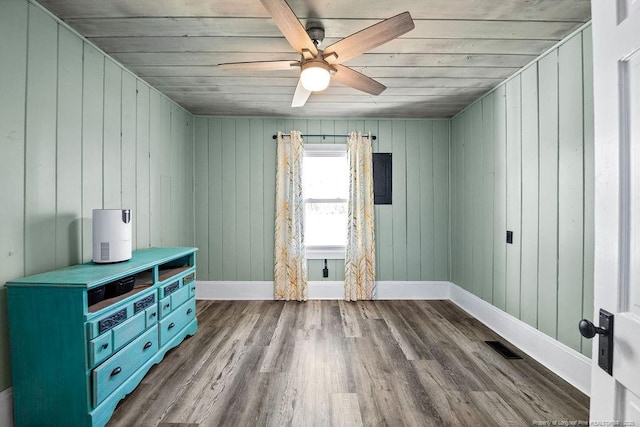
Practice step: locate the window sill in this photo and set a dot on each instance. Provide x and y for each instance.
(325, 252)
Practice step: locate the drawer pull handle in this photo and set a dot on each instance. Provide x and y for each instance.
(105, 346)
(167, 305)
(171, 325)
(116, 371)
(153, 315)
(189, 311)
(147, 345)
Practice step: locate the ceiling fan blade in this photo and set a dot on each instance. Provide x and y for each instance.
(350, 77)
(260, 65)
(300, 96)
(289, 25)
(371, 37)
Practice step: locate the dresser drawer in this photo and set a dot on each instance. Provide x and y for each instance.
(179, 297)
(165, 307)
(121, 313)
(192, 289)
(152, 315)
(177, 320)
(172, 287)
(128, 330)
(115, 371)
(99, 349)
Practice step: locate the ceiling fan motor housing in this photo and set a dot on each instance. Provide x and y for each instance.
(316, 34)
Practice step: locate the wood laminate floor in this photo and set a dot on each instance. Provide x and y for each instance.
(321, 363)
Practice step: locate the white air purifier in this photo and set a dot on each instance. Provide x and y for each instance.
(111, 235)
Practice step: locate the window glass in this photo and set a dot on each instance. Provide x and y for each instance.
(326, 187)
(325, 177)
(326, 224)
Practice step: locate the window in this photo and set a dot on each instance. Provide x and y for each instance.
(326, 187)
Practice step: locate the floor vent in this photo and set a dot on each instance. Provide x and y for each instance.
(503, 350)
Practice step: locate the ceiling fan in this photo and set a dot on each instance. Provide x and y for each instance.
(318, 66)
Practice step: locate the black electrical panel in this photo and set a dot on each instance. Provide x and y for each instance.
(382, 183)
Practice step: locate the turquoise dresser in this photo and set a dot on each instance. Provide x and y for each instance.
(83, 337)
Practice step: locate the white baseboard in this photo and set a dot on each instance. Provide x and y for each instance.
(412, 290)
(6, 408)
(327, 290)
(570, 365)
(228, 290)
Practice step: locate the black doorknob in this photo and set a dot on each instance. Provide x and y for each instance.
(589, 330)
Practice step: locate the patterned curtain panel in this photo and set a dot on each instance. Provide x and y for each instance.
(360, 261)
(290, 271)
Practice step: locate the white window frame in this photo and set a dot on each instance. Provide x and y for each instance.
(325, 150)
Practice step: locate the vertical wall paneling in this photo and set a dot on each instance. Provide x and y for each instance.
(92, 113)
(128, 161)
(165, 175)
(40, 174)
(189, 175)
(69, 150)
(229, 243)
(112, 153)
(172, 163)
(500, 198)
(514, 194)
(166, 188)
(143, 185)
(155, 131)
(475, 150)
(327, 127)
(256, 167)
(399, 206)
(457, 200)
(530, 167)
(439, 246)
(384, 247)
(466, 201)
(570, 191)
(243, 197)
(13, 50)
(487, 197)
(589, 184)
(215, 198)
(413, 190)
(425, 164)
(538, 143)
(548, 195)
(238, 178)
(201, 184)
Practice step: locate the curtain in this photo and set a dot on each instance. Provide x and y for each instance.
(360, 262)
(290, 270)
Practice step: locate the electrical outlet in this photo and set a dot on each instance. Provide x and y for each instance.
(509, 237)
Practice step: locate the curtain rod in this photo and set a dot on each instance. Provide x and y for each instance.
(324, 136)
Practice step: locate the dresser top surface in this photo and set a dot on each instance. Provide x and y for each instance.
(84, 275)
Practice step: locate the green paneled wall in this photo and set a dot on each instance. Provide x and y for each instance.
(79, 132)
(522, 160)
(235, 185)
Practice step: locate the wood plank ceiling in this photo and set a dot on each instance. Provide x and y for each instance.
(458, 51)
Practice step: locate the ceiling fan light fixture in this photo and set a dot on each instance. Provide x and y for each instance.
(315, 75)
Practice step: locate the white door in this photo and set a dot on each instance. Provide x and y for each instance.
(616, 41)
